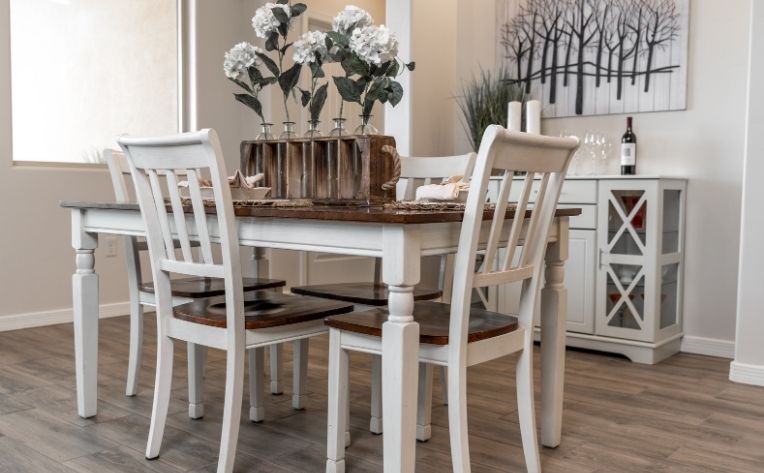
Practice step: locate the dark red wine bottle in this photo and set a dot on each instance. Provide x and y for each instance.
(628, 151)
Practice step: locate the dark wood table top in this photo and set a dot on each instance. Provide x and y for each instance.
(336, 213)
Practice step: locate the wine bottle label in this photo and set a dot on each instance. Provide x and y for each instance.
(628, 154)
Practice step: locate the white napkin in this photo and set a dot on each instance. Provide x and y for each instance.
(238, 180)
(448, 190)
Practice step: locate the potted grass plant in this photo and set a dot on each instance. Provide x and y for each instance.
(483, 102)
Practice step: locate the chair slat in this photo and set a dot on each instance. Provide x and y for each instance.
(497, 278)
(498, 219)
(536, 214)
(518, 221)
(197, 204)
(193, 269)
(180, 216)
(156, 191)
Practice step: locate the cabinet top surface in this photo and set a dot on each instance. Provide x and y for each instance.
(610, 177)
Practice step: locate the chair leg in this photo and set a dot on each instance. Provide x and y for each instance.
(457, 419)
(136, 345)
(299, 373)
(348, 440)
(234, 384)
(162, 390)
(424, 403)
(338, 400)
(375, 425)
(277, 368)
(444, 384)
(197, 360)
(256, 384)
(525, 409)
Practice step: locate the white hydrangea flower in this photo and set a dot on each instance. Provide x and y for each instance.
(310, 47)
(374, 44)
(264, 22)
(351, 18)
(239, 58)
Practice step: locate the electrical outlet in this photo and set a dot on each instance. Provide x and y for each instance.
(110, 246)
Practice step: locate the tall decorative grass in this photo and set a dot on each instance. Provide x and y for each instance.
(483, 102)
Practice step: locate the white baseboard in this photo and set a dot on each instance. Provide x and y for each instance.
(59, 316)
(708, 346)
(747, 374)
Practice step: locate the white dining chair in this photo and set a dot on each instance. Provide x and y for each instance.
(415, 172)
(460, 335)
(234, 322)
(184, 291)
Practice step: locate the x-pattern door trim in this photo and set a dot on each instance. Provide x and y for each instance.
(625, 295)
(626, 222)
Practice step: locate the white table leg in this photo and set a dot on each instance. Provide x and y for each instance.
(554, 303)
(300, 373)
(85, 306)
(400, 349)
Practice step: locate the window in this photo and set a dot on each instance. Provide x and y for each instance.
(85, 71)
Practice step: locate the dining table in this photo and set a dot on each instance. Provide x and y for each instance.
(400, 237)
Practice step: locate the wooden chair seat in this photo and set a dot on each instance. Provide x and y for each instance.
(197, 287)
(433, 319)
(262, 310)
(361, 293)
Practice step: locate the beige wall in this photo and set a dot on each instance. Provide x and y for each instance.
(704, 143)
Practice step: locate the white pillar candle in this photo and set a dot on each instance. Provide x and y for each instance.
(533, 117)
(515, 116)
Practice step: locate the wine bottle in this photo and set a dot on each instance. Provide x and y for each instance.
(628, 151)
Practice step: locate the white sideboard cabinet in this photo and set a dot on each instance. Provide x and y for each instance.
(624, 272)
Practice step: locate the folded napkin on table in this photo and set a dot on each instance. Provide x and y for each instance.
(237, 180)
(448, 190)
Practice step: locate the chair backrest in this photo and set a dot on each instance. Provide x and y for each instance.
(417, 172)
(510, 152)
(189, 155)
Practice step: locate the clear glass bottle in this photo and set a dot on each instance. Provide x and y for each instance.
(313, 130)
(333, 157)
(366, 128)
(339, 127)
(281, 160)
(260, 154)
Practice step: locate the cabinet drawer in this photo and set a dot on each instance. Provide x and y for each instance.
(578, 191)
(588, 218)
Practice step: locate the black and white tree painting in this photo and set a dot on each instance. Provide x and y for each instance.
(592, 57)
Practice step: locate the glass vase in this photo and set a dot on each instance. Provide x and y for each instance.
(260, 152)
(281, 159)
(339, 127)
(366, 128)
(313, 130)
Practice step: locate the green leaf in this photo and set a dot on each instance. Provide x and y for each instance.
(241, 84)
(283, 29)
(282, 2)
(319, 99)
(367, 107)
(316, 70)
(268, 81)
(411, 66)
(305, 98)
(280, 15)
(289, 79)
(395, 95)
(254, 75)
(298, 9)
(382, 70)
(250, 102)
(354, 65)
(272, 43)
(347, 89)
(394, 68)
(377, 90)
(270, 64)
(286, 46)
(338, 38)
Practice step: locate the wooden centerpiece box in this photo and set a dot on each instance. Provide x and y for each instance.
(347, 170)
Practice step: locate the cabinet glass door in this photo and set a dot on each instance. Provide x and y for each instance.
(623, 275)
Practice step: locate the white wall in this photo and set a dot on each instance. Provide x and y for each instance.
(703, 144)
(748, 366)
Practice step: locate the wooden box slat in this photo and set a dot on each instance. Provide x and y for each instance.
(344, 170)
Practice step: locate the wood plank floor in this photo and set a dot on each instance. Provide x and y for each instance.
(681, 416)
